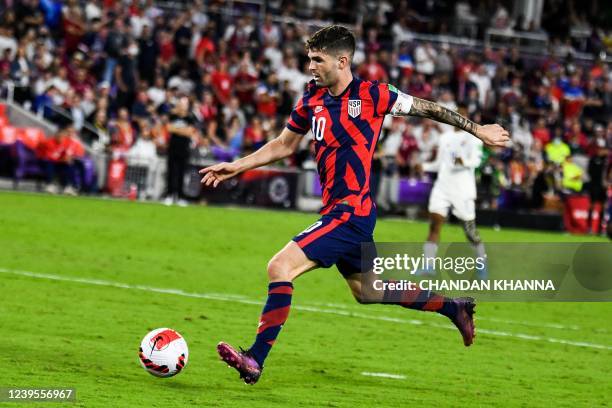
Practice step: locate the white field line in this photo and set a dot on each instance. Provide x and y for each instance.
(384, 375)
(240, 299)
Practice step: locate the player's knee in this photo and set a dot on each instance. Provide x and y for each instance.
(278, 270)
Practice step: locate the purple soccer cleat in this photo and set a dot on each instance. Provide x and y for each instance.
(464, 319)
(242, 361)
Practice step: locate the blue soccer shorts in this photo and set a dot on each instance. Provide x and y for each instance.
(336, 238)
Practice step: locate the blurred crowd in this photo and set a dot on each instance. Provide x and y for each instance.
(120, 68)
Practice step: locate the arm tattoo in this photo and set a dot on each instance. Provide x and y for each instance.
(431, 110)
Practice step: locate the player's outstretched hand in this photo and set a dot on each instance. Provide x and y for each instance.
(493, 135)
(215, 174)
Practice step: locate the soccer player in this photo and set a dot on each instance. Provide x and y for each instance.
(459, 154)
(345, 115)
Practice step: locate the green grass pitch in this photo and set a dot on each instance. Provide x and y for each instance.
(76, 299)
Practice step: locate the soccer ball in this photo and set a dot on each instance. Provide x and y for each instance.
(163, 352)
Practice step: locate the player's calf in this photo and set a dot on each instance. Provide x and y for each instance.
(460, 311)
(472, 235)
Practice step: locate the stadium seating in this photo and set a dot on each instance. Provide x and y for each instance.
(243, 78)
(19, 154)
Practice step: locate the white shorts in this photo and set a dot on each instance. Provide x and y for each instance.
(463, 208)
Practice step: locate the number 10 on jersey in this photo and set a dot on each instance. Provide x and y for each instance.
(318, 127)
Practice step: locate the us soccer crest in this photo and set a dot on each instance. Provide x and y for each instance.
(354, 107)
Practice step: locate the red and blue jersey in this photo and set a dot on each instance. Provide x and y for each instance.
(346, 129)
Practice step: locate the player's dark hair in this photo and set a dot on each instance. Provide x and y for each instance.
(332, 40)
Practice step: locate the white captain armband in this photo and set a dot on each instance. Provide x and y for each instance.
(402, 105)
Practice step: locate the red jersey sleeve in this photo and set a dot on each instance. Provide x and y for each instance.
(384, 97)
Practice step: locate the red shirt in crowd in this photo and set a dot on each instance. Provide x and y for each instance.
(420, 89)
(166, 50)
(205, 46)
(596, 71)
(407, 148)
(244, 87)
(124, 137)
(208, 111)
(556, 92)
(50, 149)
(518, 172)
(81, 84)
(373, 72)
(463, 69)
(73, 32)
(161, 135)
(267, 102)
(62, 149)
(541, 134)
(572, 107)
(72, 148)
(577, 139)
(222, 84)
(253, 135)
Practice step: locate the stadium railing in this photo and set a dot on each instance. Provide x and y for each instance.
(526, 41)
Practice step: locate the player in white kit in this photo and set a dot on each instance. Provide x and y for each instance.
(459, 154)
